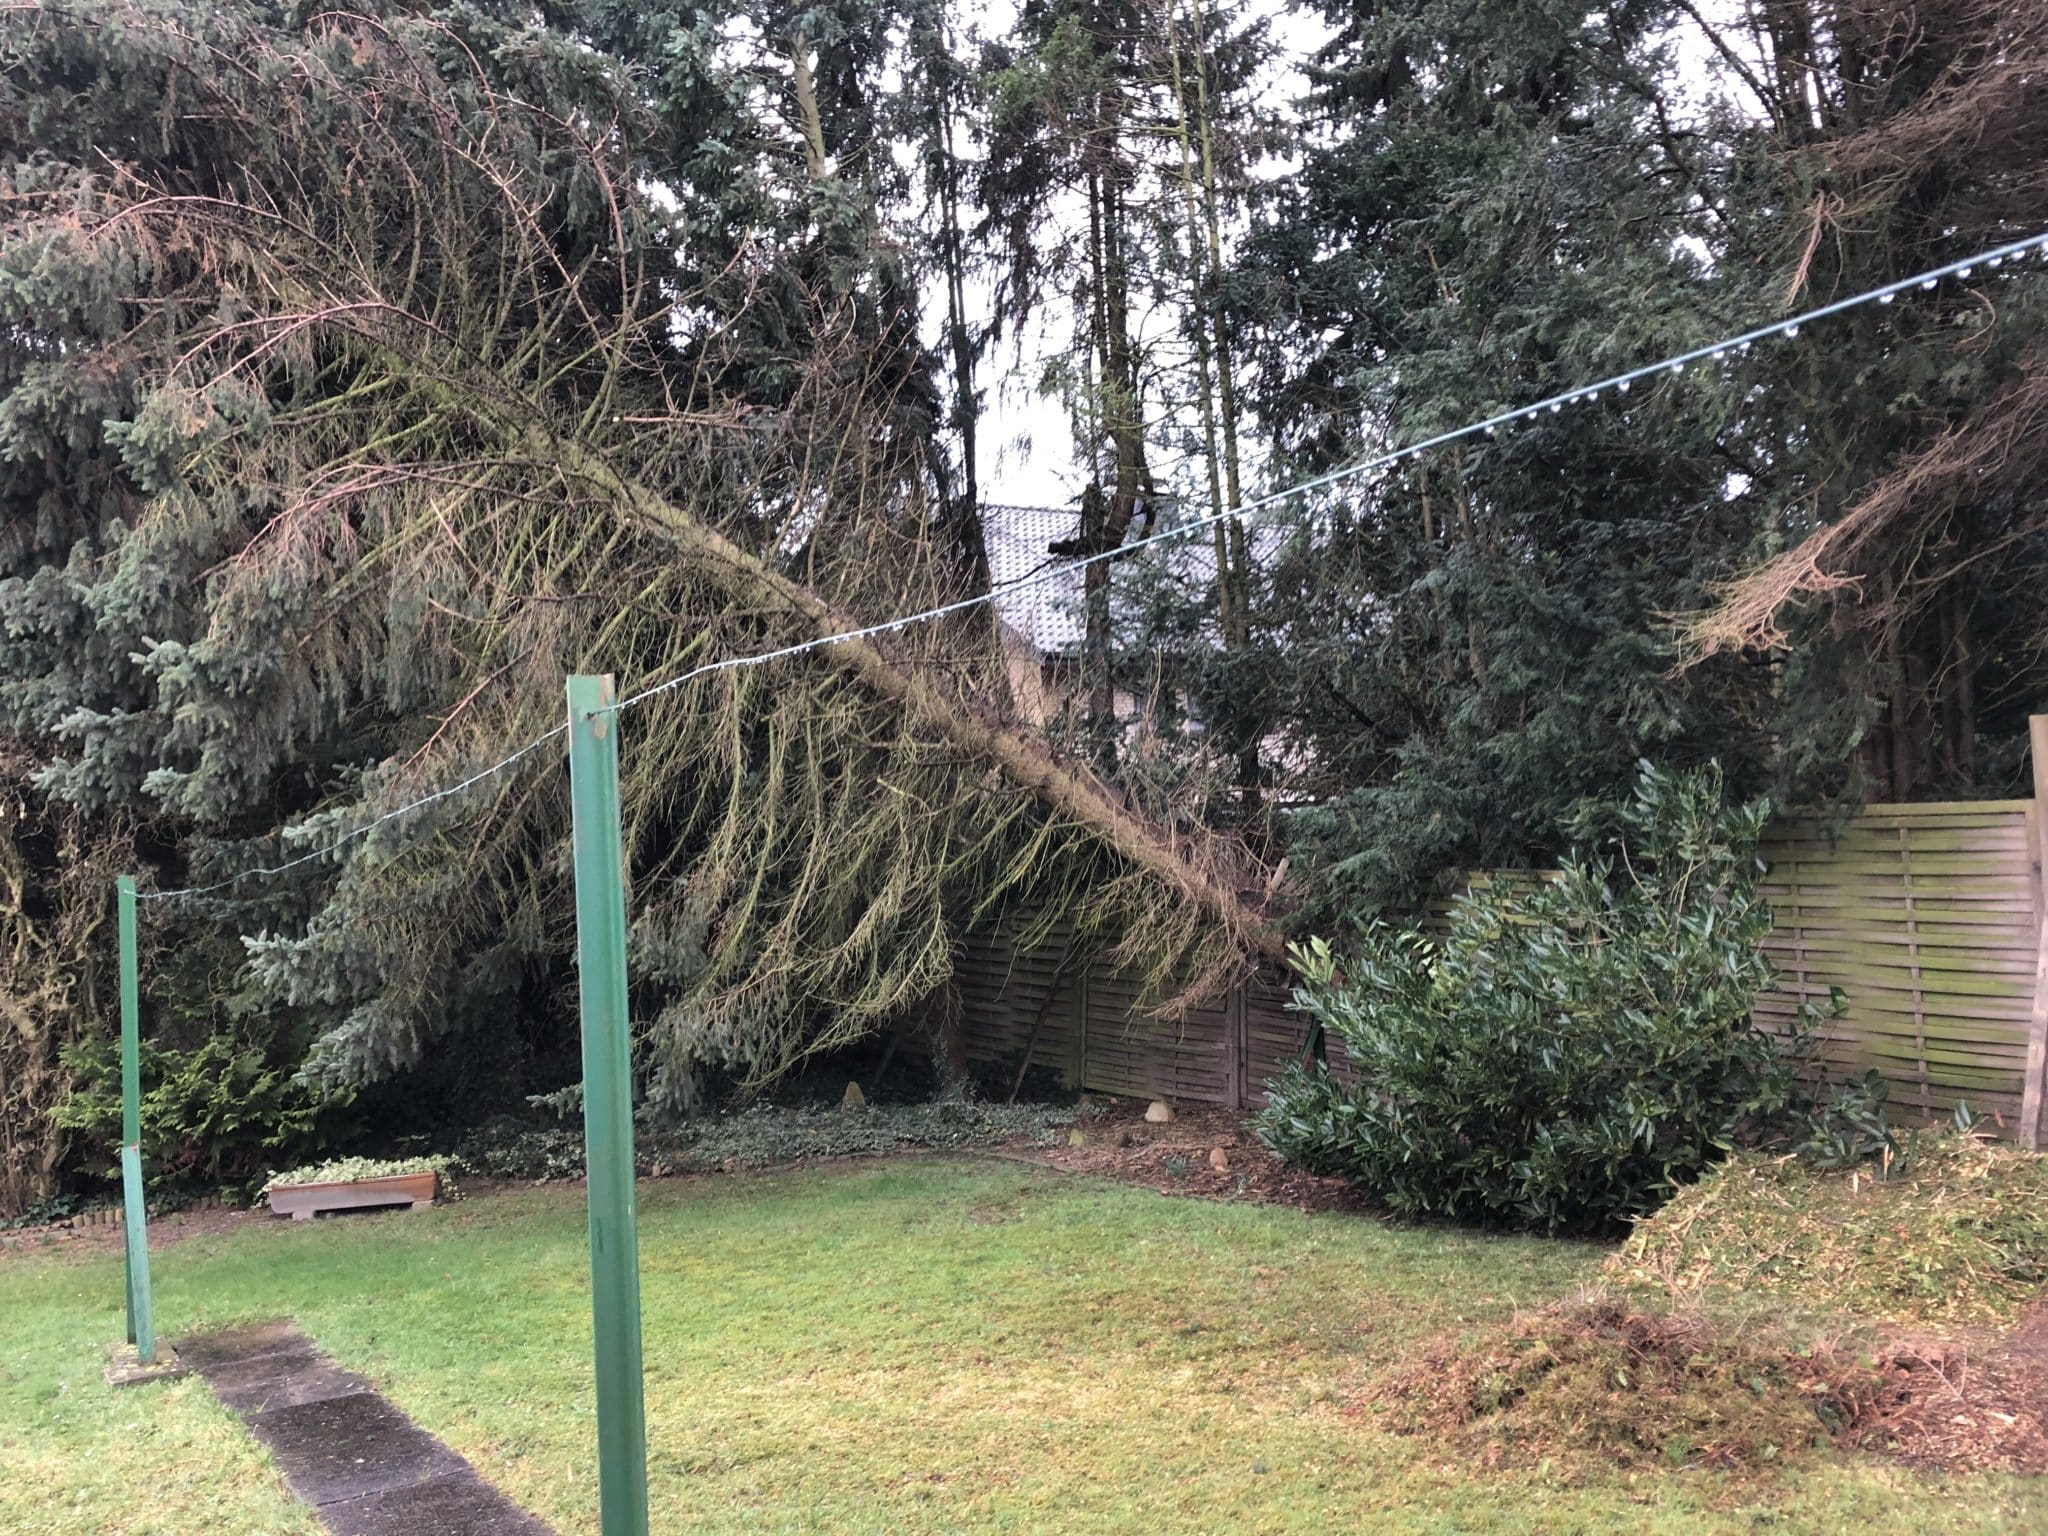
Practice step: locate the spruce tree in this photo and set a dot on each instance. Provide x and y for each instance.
(361, 400)
(1492, 210)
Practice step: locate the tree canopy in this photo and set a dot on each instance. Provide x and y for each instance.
(367, 369)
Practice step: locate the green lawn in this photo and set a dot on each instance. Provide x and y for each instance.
(915, 1345)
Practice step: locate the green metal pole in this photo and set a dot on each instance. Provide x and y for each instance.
(141, 1320)
(141, 1323)
(608, 1106)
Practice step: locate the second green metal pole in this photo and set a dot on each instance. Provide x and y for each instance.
(608, 1105)
(141, 1323)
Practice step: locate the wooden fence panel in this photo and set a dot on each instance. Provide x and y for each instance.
(1134, 1051)
(1274, 1034)
(1929, 918)
(1097, 1031)
(1013, 999)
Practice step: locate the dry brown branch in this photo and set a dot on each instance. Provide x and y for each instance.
(1984, 109)
(2006, 440)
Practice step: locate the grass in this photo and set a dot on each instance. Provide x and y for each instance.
(916, 1345)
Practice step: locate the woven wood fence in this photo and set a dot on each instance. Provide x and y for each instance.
(1077, 1017)
(1932, 918)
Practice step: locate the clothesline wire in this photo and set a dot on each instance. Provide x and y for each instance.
(1485, 426)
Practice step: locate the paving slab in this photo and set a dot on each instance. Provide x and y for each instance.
(365, 1467)
(345, 1447)
(460, 1504)
(282, 1381)
(202, 1354)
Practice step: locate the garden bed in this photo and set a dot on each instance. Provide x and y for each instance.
(1204, 1152)
(355, 1184)
(302, 1202)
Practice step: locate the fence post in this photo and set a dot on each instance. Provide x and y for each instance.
(135, 1260)
(1235, 1006)
(2036, 1082)
(608, 1106)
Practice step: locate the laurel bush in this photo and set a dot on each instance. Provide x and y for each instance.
(1573, 1048)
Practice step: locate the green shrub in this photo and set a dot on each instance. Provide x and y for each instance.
(1573, 1049)
(1850, 1129)
(765, 1135)
(761, 1136)
(216, 1115)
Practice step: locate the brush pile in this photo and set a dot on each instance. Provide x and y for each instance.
(1598, 1383)
(1955, 1234)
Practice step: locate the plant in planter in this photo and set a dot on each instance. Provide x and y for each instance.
(355, 1183)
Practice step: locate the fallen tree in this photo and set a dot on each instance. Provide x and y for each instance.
(369, 405)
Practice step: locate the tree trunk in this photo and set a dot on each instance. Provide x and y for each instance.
(971, 547)
(1214, 876)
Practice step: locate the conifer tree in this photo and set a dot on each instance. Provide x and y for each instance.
(358, 400)
(1900, 535)
(1493, 209)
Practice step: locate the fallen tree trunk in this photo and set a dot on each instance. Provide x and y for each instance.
(1201, 868)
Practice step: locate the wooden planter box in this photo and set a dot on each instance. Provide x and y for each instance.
(302, 1202)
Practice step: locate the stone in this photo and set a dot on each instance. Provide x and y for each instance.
(1158, 1112)
(1219, 1160)
(853, 1097)
(125, 1367)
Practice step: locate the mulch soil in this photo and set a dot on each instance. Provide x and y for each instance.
(1206, 1153)
(1979, 1403)
(1596, 1382)
(99, 1235)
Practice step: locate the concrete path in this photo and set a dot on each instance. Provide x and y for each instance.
(365, 1467)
